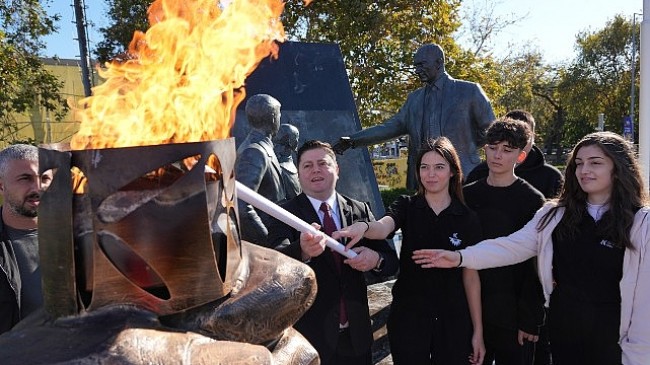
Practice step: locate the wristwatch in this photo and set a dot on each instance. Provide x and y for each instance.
(380, 263)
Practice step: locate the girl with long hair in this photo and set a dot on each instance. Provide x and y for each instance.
(435, 315)
(591, 246)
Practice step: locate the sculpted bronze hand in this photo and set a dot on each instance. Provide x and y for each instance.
(138, 270)
(343, 145)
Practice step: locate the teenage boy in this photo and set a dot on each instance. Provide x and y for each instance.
(534, 168)
(511, 296)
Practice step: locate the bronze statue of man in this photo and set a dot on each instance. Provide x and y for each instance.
(285, 144)
(257, 166)
(444, 106)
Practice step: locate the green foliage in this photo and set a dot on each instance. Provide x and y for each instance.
(599, 79)
(388, 196)
(126, 16)
(378, 40)
(566, 99)
(24, 81)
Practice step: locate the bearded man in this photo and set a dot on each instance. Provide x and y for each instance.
(21, 186)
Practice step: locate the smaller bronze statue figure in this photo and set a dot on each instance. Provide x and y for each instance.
(285, 144)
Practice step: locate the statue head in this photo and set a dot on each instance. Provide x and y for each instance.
(263, 113)
(285, 141)
(429, 62)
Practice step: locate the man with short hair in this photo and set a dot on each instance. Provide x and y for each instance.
(338, 323)
(511, 296)
(21, 187)
(444, 106)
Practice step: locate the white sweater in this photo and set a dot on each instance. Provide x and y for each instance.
(635, 284)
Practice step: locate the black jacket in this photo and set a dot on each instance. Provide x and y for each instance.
(544, 177)
(9, 283)
(320, 324)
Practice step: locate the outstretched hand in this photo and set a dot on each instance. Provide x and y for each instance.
(430, 258)
(342, 145)
(354, 232)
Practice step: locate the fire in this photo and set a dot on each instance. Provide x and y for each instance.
(184, 76)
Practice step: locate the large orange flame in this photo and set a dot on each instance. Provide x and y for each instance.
(182, 81)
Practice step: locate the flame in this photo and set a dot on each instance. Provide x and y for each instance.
(183, 78)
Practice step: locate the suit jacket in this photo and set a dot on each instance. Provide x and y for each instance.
(320, 324)
(464, 114)
(258, 168)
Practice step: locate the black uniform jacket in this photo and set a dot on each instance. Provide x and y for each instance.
(320, 324)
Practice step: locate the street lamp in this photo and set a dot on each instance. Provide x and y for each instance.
(633, 71)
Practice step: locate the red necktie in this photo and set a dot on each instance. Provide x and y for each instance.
(328, 227)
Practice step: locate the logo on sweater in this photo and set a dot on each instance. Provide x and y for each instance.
(607, 244)
(455, 241)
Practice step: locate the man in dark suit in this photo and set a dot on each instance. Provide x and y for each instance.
(257, 166)
(444, 106)
(338, 323)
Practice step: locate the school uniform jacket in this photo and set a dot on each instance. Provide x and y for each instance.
(635, 284)
(320, 324)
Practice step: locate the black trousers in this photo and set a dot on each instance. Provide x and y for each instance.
(582, 332)
(502, 346)
(543, 345)
(345, 352)
(417, 340)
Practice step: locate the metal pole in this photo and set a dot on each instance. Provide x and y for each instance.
(86, 72)
(633, 72)
(644, 92)
(601, 122)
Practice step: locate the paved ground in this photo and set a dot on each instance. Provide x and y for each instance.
(379, 299)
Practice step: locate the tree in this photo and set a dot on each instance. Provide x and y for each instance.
(126, 17)
(482, 24)
(599, 80)
(24, 81)
(378, 40)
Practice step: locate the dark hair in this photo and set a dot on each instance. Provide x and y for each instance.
(524, 116)
(514, 132)
(443, 147)
(628, 193)
(314, 144)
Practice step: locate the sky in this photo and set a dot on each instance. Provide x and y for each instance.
(549, 26)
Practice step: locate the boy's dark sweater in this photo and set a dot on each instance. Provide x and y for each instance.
(511, 295)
